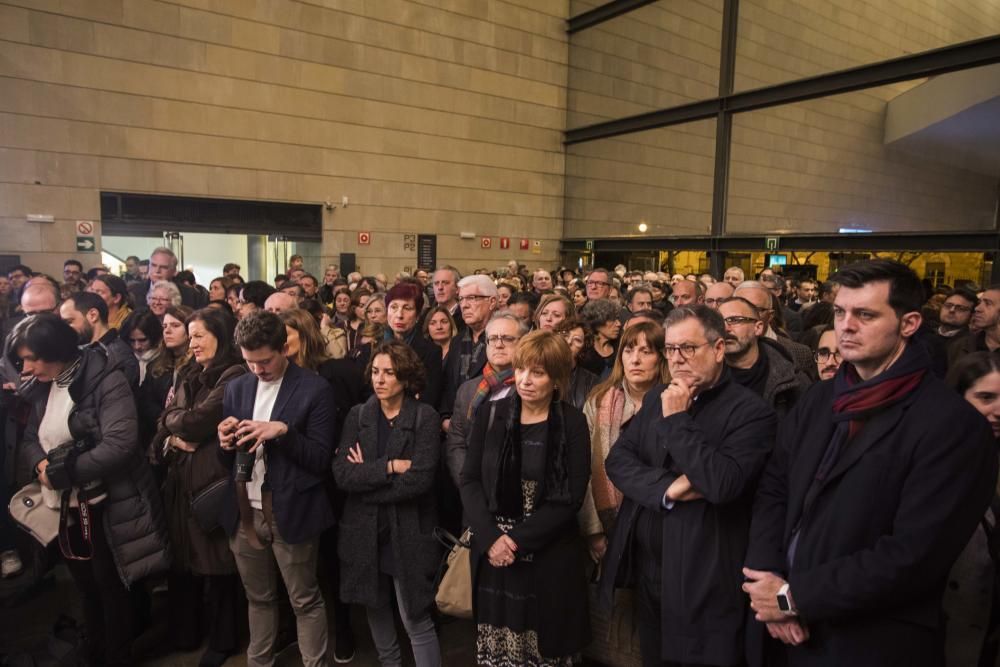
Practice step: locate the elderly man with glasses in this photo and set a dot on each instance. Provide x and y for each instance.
(687, 466)
(477, 301)
(598, 284)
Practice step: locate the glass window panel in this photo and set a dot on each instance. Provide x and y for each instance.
(661, 178)
(657, 56)
(784, 40)
(919, 156)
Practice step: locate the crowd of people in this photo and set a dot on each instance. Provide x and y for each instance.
(653, 468)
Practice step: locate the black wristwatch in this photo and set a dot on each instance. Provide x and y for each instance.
(785, 602)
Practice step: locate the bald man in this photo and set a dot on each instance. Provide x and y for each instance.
(765, 302)
(687, 293)
(717, 293)
(279, 302)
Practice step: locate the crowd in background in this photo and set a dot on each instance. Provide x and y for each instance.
(656, 469)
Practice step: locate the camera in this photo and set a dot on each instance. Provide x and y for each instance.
(243, 466)
(62, 460)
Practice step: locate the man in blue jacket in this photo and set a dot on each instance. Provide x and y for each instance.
(278, 431)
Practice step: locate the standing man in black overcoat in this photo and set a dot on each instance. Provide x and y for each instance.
(878, 479)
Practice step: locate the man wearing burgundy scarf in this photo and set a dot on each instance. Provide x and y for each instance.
(878, 480)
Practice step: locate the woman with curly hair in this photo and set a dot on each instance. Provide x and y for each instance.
(601, 319)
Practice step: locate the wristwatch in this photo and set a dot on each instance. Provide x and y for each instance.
(785, 602)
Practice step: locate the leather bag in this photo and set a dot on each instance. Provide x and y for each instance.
(454, 590)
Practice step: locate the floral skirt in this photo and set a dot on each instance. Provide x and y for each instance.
(506, 613)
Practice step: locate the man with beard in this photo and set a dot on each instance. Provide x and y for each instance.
(984, 327)
(757, 362)
(87, 313)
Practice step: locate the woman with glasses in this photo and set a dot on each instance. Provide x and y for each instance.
(404, 303)
(161, 295)
(523, 481)
(601, 317)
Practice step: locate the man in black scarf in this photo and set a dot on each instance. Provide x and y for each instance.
(876, 483)
(757, 363)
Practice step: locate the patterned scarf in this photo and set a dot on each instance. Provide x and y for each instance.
(610, 414)
(492, 381)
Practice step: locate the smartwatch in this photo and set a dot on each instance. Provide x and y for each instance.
(785, 602)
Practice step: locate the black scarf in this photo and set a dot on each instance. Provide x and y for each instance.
(755, 377)
(555, 483)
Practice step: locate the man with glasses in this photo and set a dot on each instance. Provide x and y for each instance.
(758, 363)
(163, 266)
(73, 275)
(477, 299)
(716, 293)
(598, 284)
(688, 465)
(984, 327)
(765, 302)
(503, 332)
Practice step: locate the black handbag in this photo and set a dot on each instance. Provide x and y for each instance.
(206, 505)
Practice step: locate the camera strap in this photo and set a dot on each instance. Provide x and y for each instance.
(86, 527)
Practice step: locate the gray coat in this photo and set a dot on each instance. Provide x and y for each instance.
(456, 440)
(785, 383)
(134, 520)
(409, 498)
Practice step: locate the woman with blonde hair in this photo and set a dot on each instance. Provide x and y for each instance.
(523, 481)
(553, 309)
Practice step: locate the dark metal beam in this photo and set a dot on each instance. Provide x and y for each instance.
(975, 53)
(723, 132)
(603, 13)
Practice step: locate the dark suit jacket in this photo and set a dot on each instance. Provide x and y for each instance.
(297, 463)
(890, 519)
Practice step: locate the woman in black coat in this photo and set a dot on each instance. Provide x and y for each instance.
(386, 463)
(525, 477)
(79, 401)
(203, 565)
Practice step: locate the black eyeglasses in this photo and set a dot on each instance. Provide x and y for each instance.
(958, 308)
(822, 355)
(686, 350)
(496, 341)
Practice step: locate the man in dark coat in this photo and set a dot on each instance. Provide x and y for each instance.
(163, 266)
(688, 465)
(758, 363)
(88, 315)
(284, 417)
(984, 328)
(878, 479)
(478, 298)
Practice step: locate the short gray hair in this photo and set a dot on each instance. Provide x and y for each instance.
(506, 314)
(166, 285)
(163, 250)
(710, 319)
(483, 283)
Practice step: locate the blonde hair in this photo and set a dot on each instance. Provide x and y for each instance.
(549, 351)
(549, 298)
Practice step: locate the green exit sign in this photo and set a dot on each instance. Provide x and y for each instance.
(771, 243)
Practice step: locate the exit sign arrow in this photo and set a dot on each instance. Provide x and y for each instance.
(85, 243)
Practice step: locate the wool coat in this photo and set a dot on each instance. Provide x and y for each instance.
(550, 534)
(721, 443)
(104, 413)
(194, 415)
(408, 498)
(890, 519)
